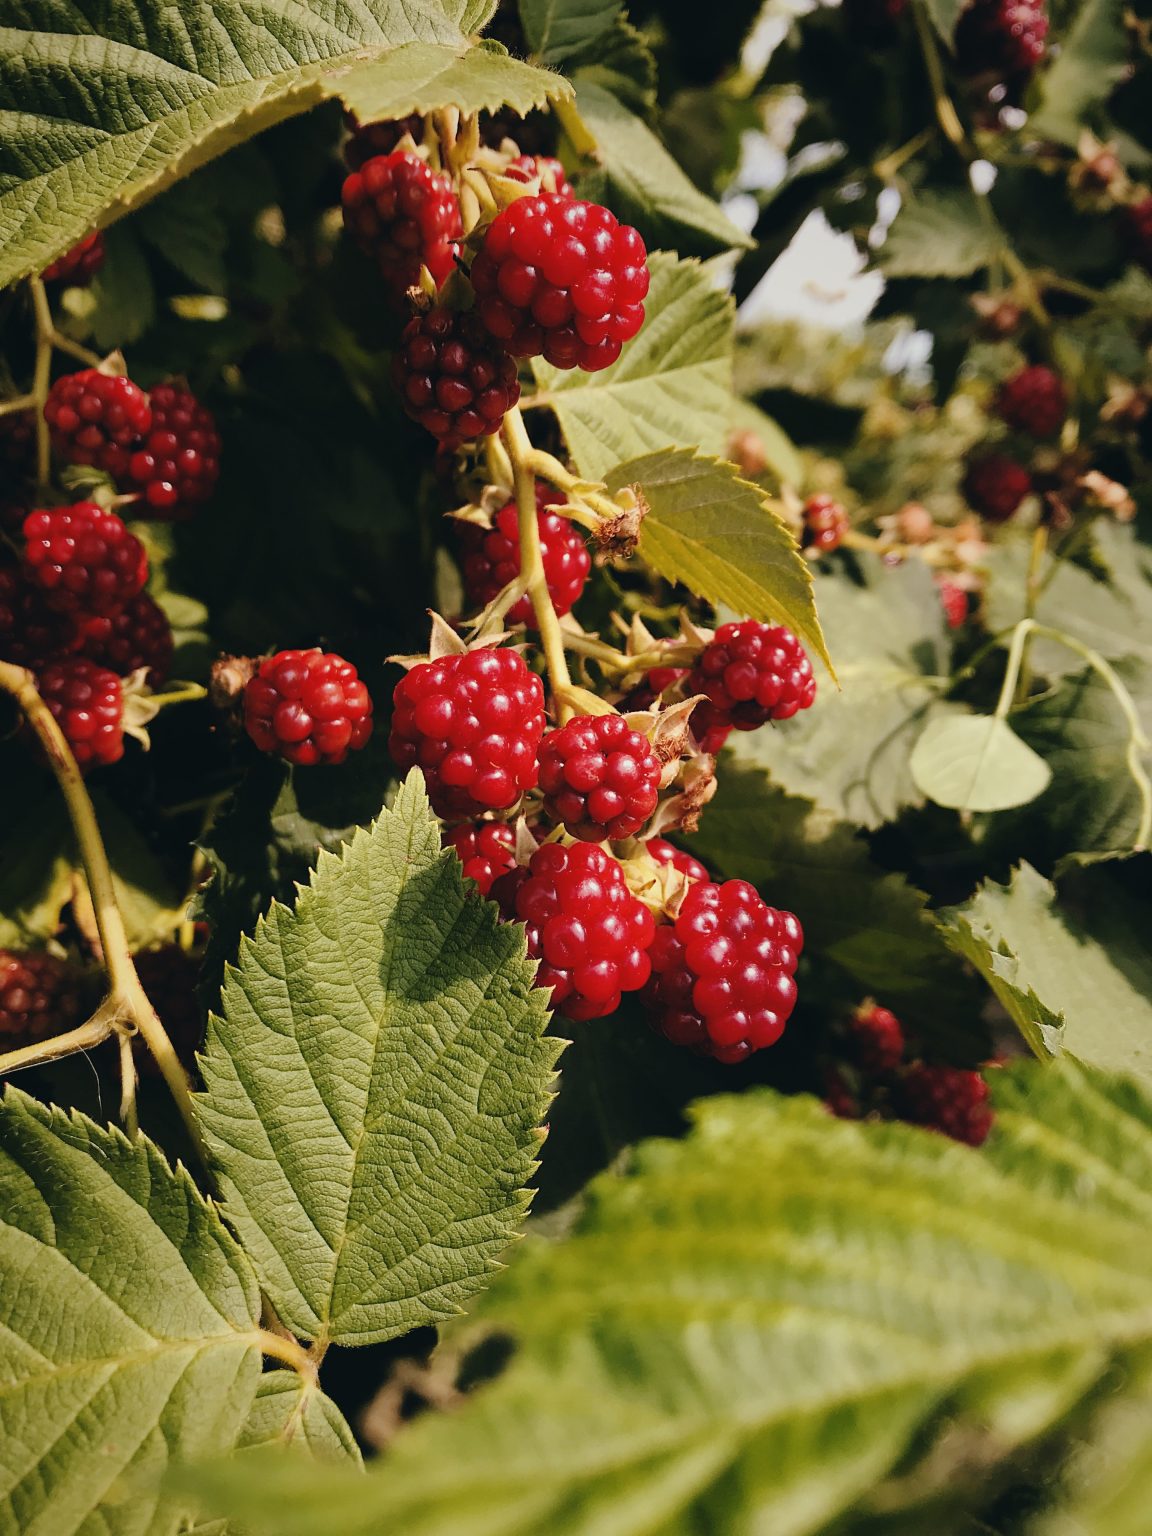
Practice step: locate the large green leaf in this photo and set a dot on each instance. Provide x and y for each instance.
(1091, 59)
(423, 76)
(557, 30)
(375, 1085)
(721, 537)
(671, 386)
(758, 1324)
(130, 1323)
(938, 234)
(977, 763)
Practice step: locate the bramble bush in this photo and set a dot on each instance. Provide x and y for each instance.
(575, 663)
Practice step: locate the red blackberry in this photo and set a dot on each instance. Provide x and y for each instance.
(825, 524)
(996, 485)
(1001, 37)
(79, 265)
(97, 418)
(542, 168)
(954, 601)
(722, 972)
(485, 848)
(405, 216)
(368, 140)
(307, 707)
(947, 1099)
(40, 996)
(1138, 228)
(667, 853)
(453, 378)
(750, 673)
(31, 632)
(472, 724)
(600, 778)
(83, 559)
(877, 1039)
(139, 635)
(563, 278)
(88, 706)
(178, 463)
(492, 558)
(169, 976)
(709, 726)
(590, 934)
(1034, 400)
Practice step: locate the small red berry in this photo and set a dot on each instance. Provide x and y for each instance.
(473, 725)
(1034, 400)
(877, 1039)
(722, 973)
(590, 934)
(600, 778)
(542, 168)
(561, 277)
(79, 265)
(405, 216)
(178, 463)
(996, 485)
(667, 853)
(307, 707)
(88, 706)
(83, 559)
(485, 848)
(40, 996)
(169, 976)
(368, 140)
(453, 378)
(1002, 37)
(31, 632)
(97, 418)
(954, 601)
(825, 524)
(492, 558)
(751, 673)
(947, 1099)
(139, 635)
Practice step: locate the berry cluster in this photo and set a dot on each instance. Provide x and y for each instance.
(1004, 38)
(1034, 401)
(40, 996)
(307, 707)
(405, 217)
(485, 848)
(491, 558)
(452, 378)
(600, 778)
(825, 524)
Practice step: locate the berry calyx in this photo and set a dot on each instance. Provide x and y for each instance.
(40, 996)
(722, 973)
(453, 378)
(178, 463)
(877, 1039)
(307, 707)
(545, 169)
(98, 419)
(1001, 37)
(485, 848)
(665, 852)
(950, 1100)
(750, 673)
(472, 723)
(561, 277)
(996, 485)
(83, 559)
(139, 635)
(88, 706)
(825, 524)
(1034, 401)
(404, 215)
(79, 265)
(600, 778)
(492, 558)
(589, 933)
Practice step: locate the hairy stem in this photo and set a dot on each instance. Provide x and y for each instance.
(290, 1352)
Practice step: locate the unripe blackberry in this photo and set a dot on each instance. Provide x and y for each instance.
(308, 707)
(588, 931)
(1001, 37)
(877, 1039)
(98, 419)
(667, 853)
(825, 524)
(472, 724)
(453, 378)
(169, 976)
(83, 559)
(139, 635)
(544, 168)
(40, 996)
(947, 1099)
(600, 778)
(1034, 400)
(561, 277)
(485, 848)
(995, 485)
(79, 265)
(31, 632)
(751, 673)
(178, 463)
(88, 706)
(722, 973)
(368, 140)
(491, 558)
(405, 216)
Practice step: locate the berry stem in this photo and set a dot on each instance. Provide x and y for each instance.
(20, 403)
(189, 693)
(550, 469)
(42, 379)
(290, 1352)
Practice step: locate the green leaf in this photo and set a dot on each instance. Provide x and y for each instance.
(621, 61)
(107, 108)
(187, 227)
(722, 538)
(374, 1087)
(424, 76)
(938, 234)
(944, 15)
(290, 1410)
(977, 763)
(130, 1323)
(122, 296)
(757, 1325)
(671, 386)
(1074, 977)
(557, 30)
(1092, 57)
(646, 187)
(36, 872)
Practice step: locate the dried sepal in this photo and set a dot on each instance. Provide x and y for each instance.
(139, 707)
(681, 812)
(617, 536)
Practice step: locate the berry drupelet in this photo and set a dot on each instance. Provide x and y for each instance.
(601, 779)
(491, 558)
(98, 419)
(485, 848)
(404, 215)
(1033, 400)
(87, 704)
(453, 378)
(308, 707)
(995, 485)
(83, 559)
(177, 464)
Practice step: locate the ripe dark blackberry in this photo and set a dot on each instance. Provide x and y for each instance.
(561, 277)
(667, 853)
(543, 168)
(600, 778)
(368, 140)
(825, 524)
(139, 635)
(995, 485)
(947, 1099)
(491, 558)
(722, 973)
(751, 673)
(88, 706)
(31, 632)
(79, 265)
(1001, 37)
(473, 725)
(40, 996)
(485, 848)
(307, 707)
(453, 378)
(589, 933)
(178, 463)
(405, 216)
(97, 418)
(877, 1039)
(83, 559)
(1034, 400)
(1138, 230)
(169, 976)
(954, 601)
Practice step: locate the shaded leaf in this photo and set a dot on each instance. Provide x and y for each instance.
(944, 15)
(977, 763)
(1092, 57)
(422, 77)
(938, 234)
(557, 30)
